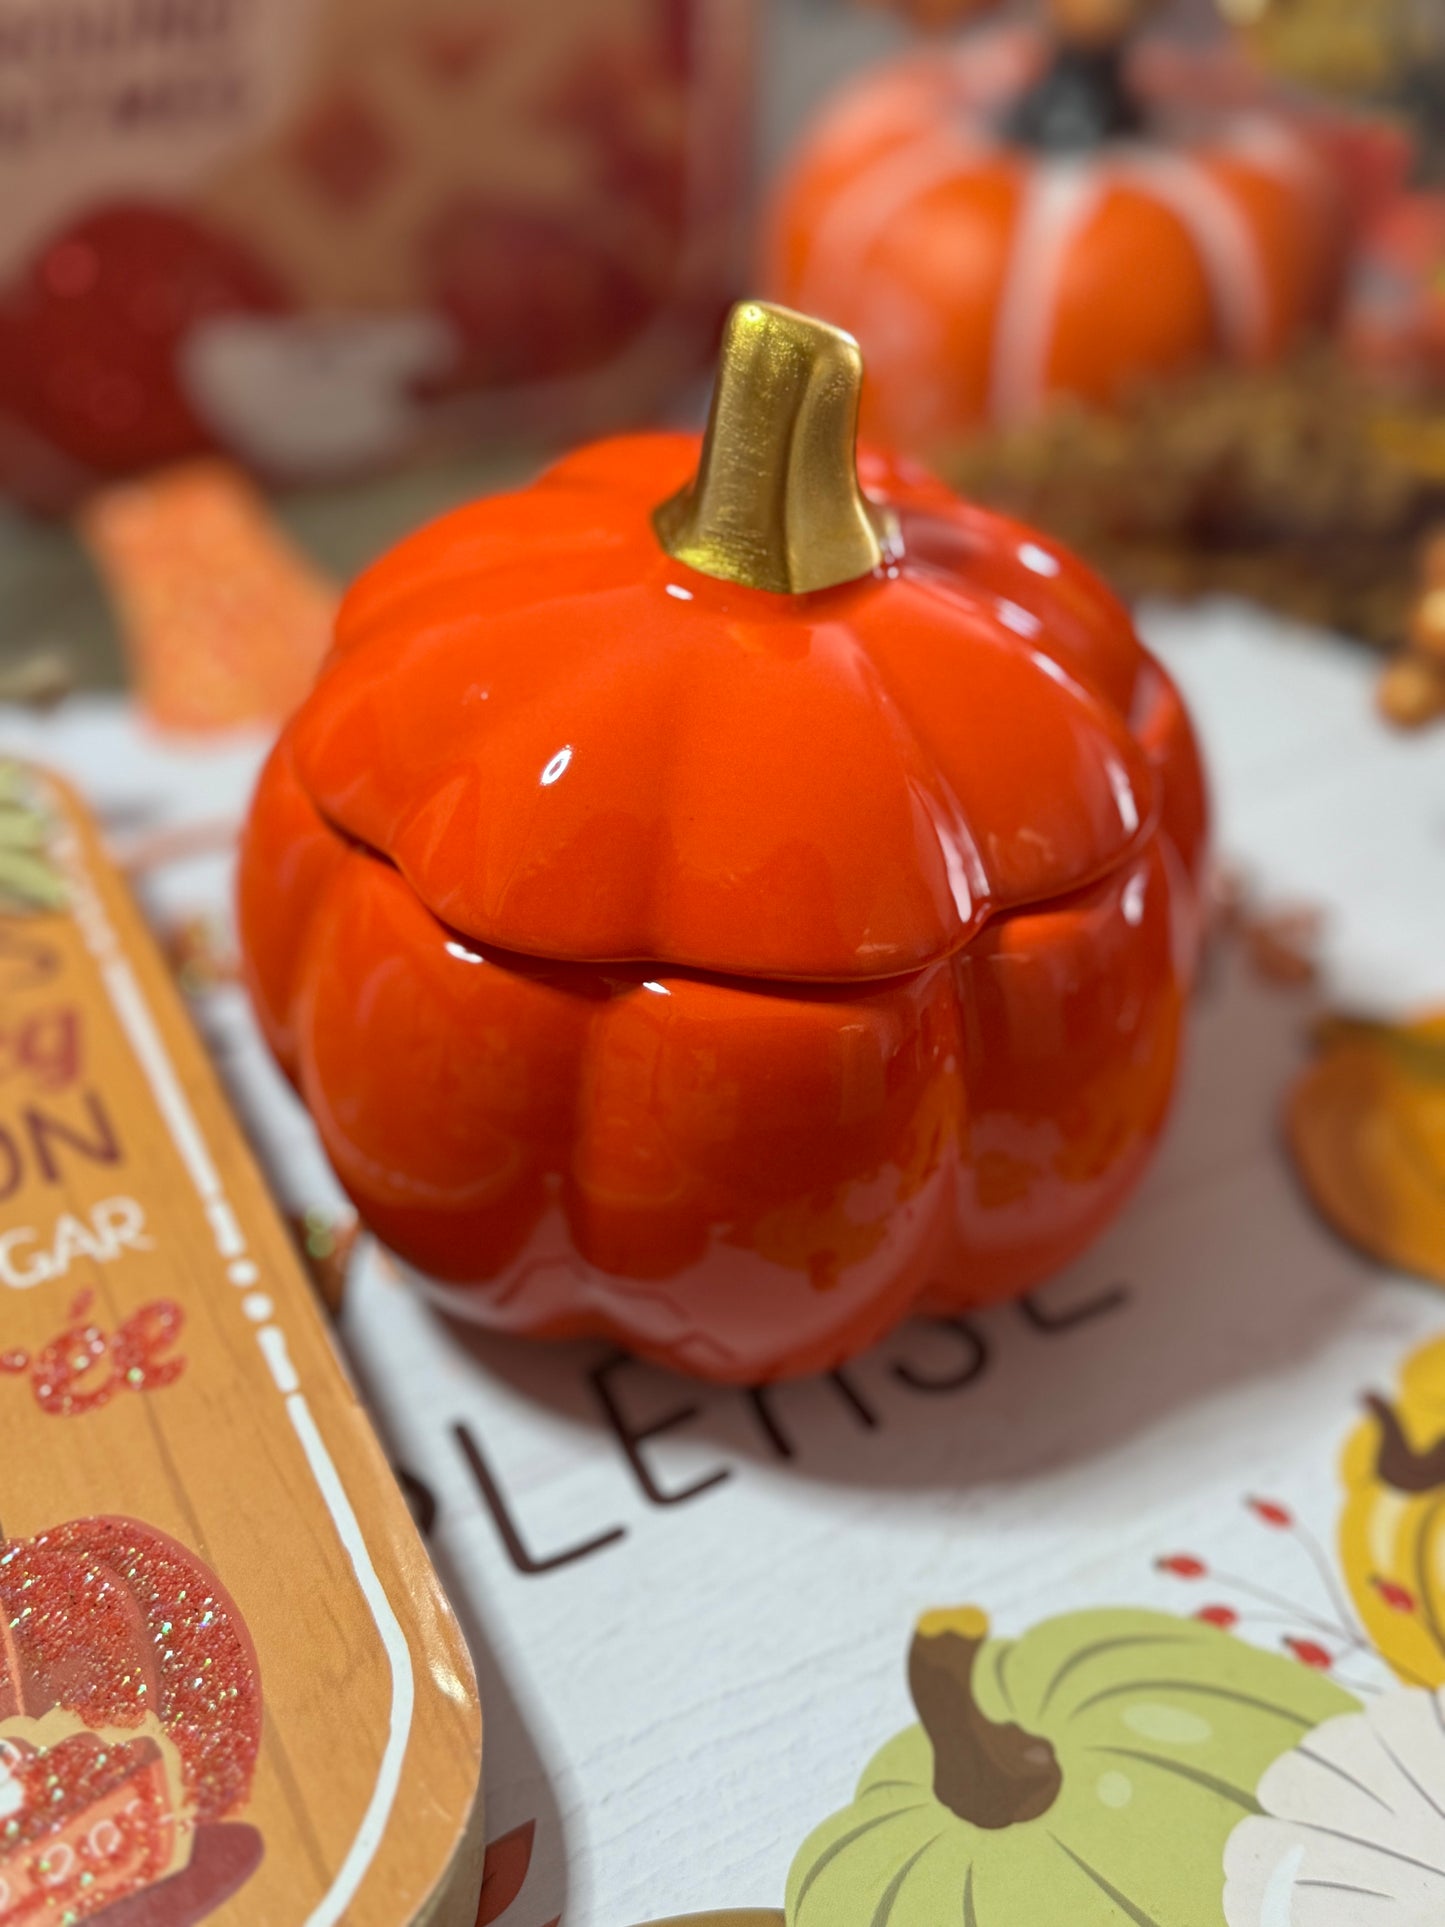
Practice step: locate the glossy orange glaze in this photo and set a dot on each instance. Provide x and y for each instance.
(983, 278)
(723, 972)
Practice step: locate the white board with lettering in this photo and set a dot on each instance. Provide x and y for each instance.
(689, 1607)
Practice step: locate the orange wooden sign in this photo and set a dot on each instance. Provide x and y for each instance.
(230, 1688)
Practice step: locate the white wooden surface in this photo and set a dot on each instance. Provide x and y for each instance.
(676, 1707)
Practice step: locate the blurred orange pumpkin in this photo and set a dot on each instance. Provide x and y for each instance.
(1004, 220)
(727, 915)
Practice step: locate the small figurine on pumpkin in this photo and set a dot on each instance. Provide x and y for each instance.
(1028, 216)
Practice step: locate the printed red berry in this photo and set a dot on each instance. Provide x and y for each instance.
(1308, 1653)
(1225, 1617)
(1182, 1565)
(1395, 1597)
(1269, 1513)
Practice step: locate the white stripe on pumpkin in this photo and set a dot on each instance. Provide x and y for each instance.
(858, 217)
(1225, 242)
(1060, 197)
(1065, 195)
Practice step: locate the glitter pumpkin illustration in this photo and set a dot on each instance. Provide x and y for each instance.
(1090, 1772)
(130, 1722)
(725, 900)
(1010, 220)
(1392, 1523)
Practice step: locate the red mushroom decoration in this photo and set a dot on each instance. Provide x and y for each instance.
(1008, 219)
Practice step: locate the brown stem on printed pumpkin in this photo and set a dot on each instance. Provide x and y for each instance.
(1398, 1465)
(989, 1774)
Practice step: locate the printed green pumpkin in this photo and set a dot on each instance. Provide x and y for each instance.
(1086, 1775)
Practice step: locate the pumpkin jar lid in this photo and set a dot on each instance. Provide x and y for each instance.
(753, 707)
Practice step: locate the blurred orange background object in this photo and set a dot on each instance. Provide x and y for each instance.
(1009, 220)
(316, 234)
(225, 624)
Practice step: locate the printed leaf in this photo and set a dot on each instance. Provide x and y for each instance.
(328, 1244)
(503, 1872)
(28, 882)
(21, 830)
(1366, 1125)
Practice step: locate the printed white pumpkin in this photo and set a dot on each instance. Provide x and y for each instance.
(1352, 1828)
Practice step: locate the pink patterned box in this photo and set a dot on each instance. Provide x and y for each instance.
(317, 234)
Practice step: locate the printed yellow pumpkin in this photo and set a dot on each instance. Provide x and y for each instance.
(1392, 1526)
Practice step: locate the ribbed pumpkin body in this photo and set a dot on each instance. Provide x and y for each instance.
(725, 972)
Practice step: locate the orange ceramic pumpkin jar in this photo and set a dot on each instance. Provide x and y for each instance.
(712, 905)
(1007, 219)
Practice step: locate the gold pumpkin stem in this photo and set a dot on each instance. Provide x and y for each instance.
(776, 503)
(991, 1775)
